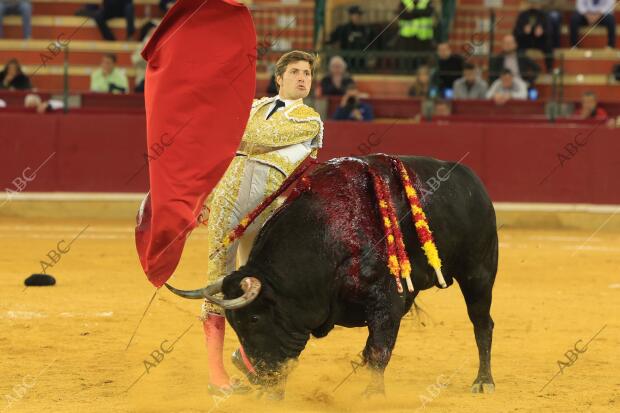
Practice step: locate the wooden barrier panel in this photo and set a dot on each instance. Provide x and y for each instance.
(98, 152)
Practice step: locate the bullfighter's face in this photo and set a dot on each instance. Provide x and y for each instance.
(268, 335)
(296, 81)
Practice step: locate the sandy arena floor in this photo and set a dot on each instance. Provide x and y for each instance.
(63, 349)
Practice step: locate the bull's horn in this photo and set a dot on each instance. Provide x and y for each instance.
(251, 288)
(209, 290)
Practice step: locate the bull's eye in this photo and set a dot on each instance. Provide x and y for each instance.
(253, 319)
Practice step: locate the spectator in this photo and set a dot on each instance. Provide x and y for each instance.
(21, 7)
(507, 87)
(13, 78)
(352, 108)
(415, 26)
(470, 86)
(165, 5)
(517, 62)
(34, 101)
(442, 108)
(450, 66)
(423, 87)
(111, 9)
(533, 30)
(108, 78)
(336, 81)
(590, 108)
(352, 36)
(591, 13)
(137, 59)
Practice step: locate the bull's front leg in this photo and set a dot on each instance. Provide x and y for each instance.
(383, 323)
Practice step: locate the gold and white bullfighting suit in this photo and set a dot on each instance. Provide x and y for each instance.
(270, 151)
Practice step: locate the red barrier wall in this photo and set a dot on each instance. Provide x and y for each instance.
(517, 162)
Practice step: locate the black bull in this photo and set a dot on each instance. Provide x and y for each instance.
(320, 261)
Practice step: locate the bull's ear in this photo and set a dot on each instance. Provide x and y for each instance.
(231, 286)
(267, 293)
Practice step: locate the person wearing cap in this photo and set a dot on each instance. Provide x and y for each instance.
(352, 36)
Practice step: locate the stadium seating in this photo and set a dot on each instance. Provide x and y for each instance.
(585, 68)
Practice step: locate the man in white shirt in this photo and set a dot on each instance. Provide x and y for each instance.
(507, 87)
(594, 13)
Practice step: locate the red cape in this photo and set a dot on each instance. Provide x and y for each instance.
(199, 85)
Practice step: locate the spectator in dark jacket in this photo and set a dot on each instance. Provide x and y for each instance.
(336, 81)
(111, 9)
(13, 78)
(450, 66)
(517, 62)
(352, 36)
(352, 107)
(533, 31)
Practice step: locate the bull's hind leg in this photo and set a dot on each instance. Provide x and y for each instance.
(383, 324)
(477, 293)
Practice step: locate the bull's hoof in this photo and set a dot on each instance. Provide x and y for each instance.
(374, 390)
(239, 364)
(270, 394)
(480, 387)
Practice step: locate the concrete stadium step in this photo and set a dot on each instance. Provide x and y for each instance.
(594, 38)
(36, 52)
(142, 8)
(76, 27)
(83, 28)
(51, 78)
(513, 4)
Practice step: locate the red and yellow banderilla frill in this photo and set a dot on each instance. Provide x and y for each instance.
(238, 231)
(398, 262)
(421, 223)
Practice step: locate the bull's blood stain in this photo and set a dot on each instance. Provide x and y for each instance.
(351, 218)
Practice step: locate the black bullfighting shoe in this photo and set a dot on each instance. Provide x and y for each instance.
(237, 360)
(235, 387)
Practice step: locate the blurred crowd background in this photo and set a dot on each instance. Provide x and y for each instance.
(450, 60)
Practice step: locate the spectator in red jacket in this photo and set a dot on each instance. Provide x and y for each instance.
(590, 108)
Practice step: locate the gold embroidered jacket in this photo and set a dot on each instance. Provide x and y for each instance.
(277, 141)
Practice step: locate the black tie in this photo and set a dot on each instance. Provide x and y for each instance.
(278, 105)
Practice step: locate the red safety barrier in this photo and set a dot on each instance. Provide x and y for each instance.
(518, 162)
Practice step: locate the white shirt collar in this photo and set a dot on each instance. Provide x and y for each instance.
(287, 102)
